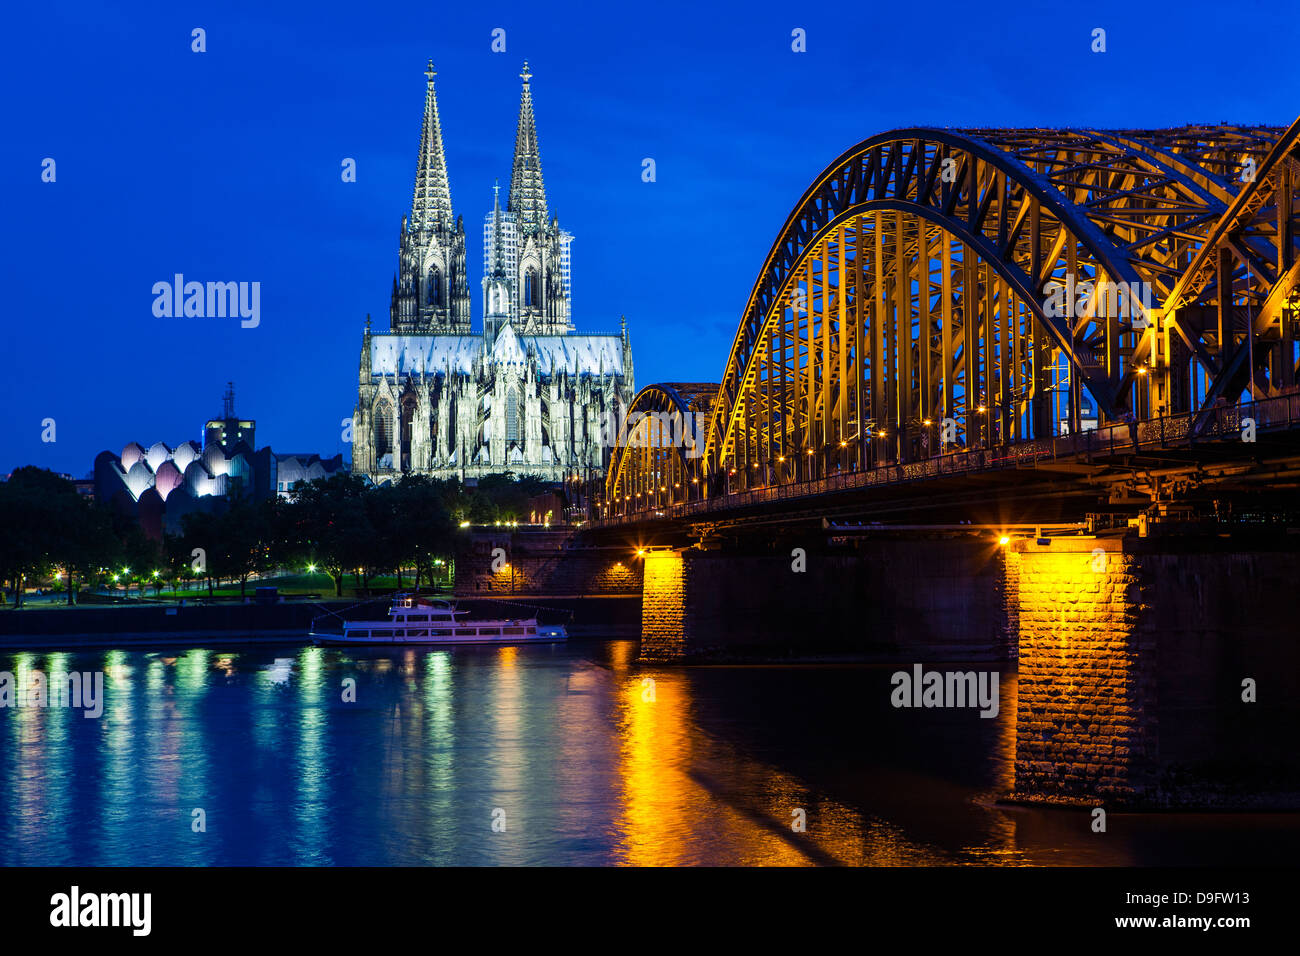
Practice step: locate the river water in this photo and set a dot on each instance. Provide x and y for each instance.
(537, 755)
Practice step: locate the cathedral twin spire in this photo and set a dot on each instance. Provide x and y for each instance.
(527, 191)
(527, 265)
(431, 204)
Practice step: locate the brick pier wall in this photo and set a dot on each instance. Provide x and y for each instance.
(1132, 657)
(540, 563)
(1086, 691)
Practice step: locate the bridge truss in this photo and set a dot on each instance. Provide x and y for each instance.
(940, 291)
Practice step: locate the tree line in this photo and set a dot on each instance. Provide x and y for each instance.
(339, 525)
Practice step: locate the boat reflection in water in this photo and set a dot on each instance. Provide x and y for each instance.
(537, 754)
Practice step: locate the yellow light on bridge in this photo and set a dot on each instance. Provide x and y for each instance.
(1004, 540)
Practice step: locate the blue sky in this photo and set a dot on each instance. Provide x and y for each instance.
(225, 165)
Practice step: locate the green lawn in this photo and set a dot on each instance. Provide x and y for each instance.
(290, 585)
(298, 584)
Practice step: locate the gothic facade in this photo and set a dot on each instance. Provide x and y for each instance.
(527, 393)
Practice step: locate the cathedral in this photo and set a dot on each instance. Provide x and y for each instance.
(526, 394)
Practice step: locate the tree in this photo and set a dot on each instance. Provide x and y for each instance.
(43, 521)
(328, 525)
(424, 526)
(244, 540)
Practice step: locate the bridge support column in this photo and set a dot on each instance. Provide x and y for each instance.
(1157, 672)
(1085, 724)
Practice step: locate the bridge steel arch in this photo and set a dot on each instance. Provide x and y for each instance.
(937, 291)
(657, 452)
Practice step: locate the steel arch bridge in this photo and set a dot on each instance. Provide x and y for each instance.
(939, 291)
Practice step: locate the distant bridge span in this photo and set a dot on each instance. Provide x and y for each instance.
(952, 301)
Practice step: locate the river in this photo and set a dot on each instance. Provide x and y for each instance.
(561, 755)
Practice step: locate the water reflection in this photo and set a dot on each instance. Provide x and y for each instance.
(535, 755)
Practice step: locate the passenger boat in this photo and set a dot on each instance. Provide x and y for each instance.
(417, 620)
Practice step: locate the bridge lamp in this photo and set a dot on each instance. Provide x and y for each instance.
(927, 422)
(695, 481)
(781, 459)
(881, 433)
(1004, 540)
(311, 569)
(810, 451)
(1142, 370)
(980, 409)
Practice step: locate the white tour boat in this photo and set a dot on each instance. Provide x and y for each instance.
(418, 620)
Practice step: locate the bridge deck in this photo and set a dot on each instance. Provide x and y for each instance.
(1084, 467)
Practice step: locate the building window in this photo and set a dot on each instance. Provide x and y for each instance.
(530, 287)
(383, 428)
(512, 415)
(434, 286)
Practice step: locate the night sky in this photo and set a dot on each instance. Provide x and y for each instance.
(225, 166)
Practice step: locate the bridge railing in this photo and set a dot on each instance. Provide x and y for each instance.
(1271, 414)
